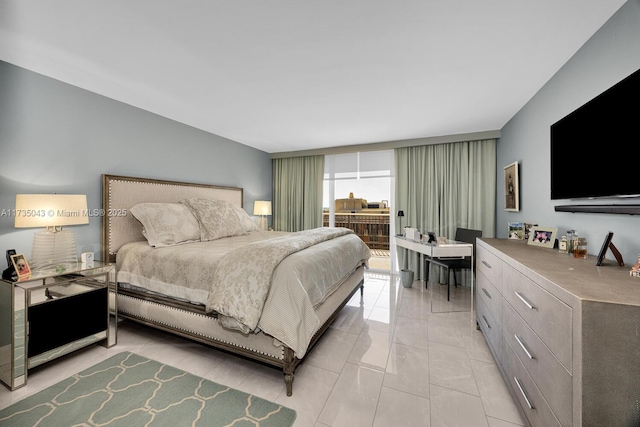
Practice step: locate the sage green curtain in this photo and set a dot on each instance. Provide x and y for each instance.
(297, 193)
(442, 187)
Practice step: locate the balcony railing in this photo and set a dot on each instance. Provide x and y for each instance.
(373, 228)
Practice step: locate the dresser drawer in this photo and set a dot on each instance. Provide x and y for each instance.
(545, 314)
(533, 404)
(490, 295)
(551, 378)
(491, 329)
(490, 265)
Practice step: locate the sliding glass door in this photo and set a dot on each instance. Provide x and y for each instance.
(357, 194)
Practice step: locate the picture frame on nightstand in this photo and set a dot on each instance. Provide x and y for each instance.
(21, 266)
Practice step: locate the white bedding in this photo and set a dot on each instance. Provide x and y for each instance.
(299, 283)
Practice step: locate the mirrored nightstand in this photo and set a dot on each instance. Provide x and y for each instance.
(52, 314)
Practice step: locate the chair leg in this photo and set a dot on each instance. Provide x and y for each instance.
(449, 282)
(426, 274)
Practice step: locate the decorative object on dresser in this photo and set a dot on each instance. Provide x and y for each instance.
(542, 236)
(563, 333)
(608, 244)
(262, 208)
(511, 188)
(527, 230)
(635, 270)
(52, 246)
(515, 230)
(274, 313)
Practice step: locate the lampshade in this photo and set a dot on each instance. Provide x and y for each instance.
(50, 210)
(52, 247)
(400, 213)
(262, 207)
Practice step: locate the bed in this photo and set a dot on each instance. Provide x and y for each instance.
(264, 295)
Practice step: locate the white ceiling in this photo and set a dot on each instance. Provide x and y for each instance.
(292, 75)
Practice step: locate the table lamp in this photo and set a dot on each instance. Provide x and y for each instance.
(400, 214)
(262, 208)
(52, 246)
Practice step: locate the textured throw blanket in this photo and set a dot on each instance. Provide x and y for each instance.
(243, 277)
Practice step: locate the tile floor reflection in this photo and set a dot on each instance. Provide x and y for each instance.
(388, 360)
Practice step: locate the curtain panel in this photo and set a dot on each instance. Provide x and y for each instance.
(297, 193)
(442, 187)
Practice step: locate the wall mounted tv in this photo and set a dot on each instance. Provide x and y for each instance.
(595, 150)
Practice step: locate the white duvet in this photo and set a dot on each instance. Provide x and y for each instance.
(301, 281)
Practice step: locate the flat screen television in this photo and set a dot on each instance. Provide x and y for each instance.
(595, 150)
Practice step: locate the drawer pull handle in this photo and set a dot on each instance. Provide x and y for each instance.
(525, 301)
(486, 263)
(486, 293)
(485, 322)
(524, 348)
(526, 398)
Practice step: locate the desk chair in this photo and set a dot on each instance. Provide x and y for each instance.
(452, 264)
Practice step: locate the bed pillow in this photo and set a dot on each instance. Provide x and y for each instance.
(247, 222)
(166, 224)
(217, 218)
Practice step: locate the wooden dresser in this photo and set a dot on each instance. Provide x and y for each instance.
(565, 333)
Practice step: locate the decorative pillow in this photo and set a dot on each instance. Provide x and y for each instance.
(247, 222)
(166, 224)
(217, 218)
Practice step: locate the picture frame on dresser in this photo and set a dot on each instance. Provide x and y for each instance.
(515, 230)
(542, 236)
(608, 244)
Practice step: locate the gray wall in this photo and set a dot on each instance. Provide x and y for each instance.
(57, 138)
(610, 55)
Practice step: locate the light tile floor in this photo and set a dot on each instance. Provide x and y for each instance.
(396, 357)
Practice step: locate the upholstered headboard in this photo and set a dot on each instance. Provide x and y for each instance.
(121, 193)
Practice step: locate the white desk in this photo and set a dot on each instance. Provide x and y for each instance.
(451, 249)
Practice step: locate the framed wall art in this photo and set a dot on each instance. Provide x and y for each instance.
(542, 236)
(511, 188)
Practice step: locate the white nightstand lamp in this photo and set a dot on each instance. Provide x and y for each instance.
(53, 246)
(262, 208)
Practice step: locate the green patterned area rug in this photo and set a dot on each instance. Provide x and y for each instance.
(131, 390)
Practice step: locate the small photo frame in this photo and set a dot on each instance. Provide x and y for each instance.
(21, 266)
(516, 230)
(542, 236)
(608, 244)
(527, 229)
(511, 188)
(605, 247)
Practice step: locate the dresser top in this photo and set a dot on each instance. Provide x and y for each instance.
(581, 278)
